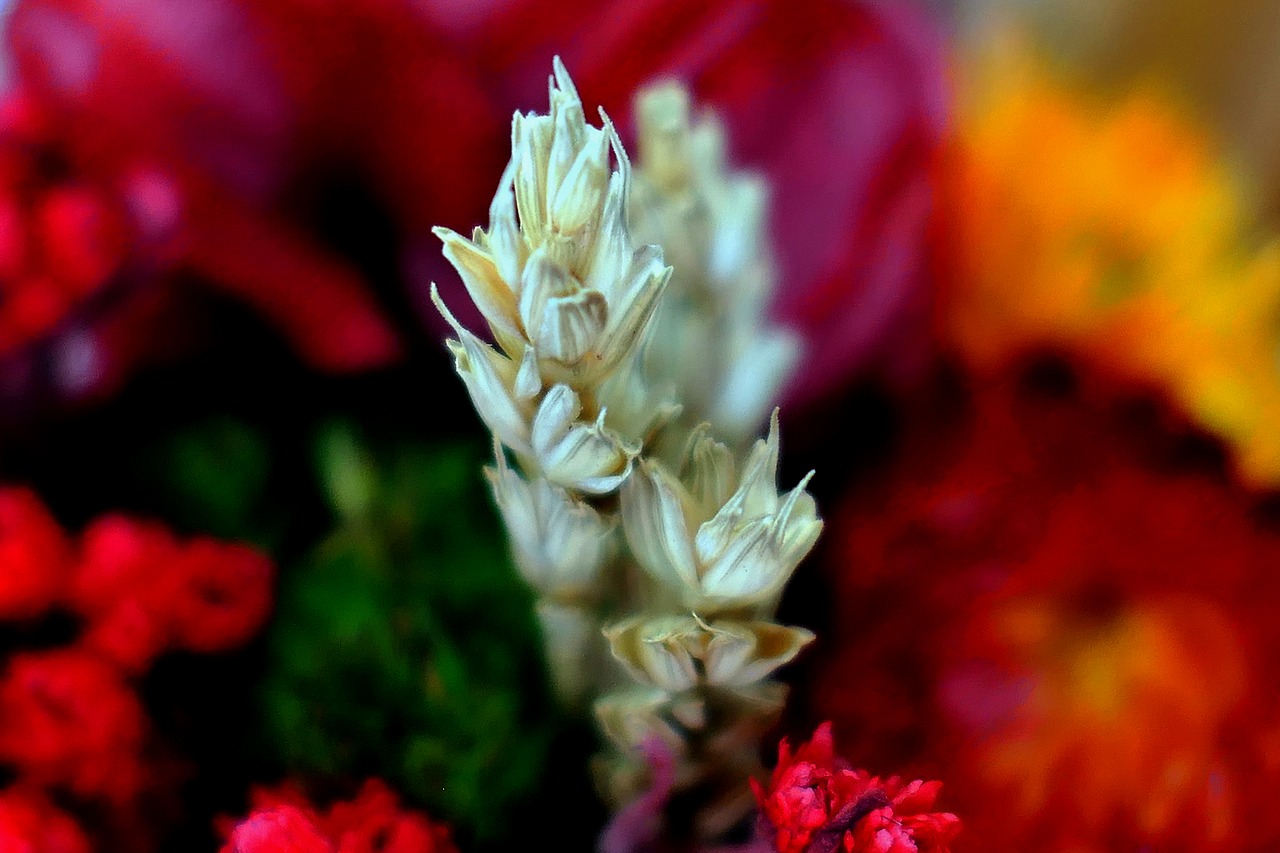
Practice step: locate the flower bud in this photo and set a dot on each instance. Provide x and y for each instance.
(559, 543)
(734, 555)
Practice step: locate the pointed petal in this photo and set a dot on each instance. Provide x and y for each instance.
(489, 376)
(579, 198)
(528, 380)
(484, 283)
(746, 571)
(630, 314)
(654, 522)
(739, 655)
(531, 147)
(612, 253)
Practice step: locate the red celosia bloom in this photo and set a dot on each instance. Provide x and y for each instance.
(31, 824)
(817, 803)
(34, 555)
(283, 822)
(1042, 609)
(67, 719)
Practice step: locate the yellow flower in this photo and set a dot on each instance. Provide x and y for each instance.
(1115, 228)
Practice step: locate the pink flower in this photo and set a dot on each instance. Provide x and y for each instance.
(816, 803)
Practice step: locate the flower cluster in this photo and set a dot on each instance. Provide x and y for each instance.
(1135, 246)
(573, 393)
(1060, 611)
(815, 802)
(283, 821)
(71, 719)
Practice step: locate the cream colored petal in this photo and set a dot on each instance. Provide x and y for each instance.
(739, 655)
(655, 652)
(531, 146)
(489, 377)
(484, 283)
(752, 383)
(503, 239)
(737, 239)
(746, 570)
(796, 526)
(708, 470)
(581, 456)
(570, 135)
(662, 116)
(528, 382)
(519, 512)
(637, 407)
(560, 544)
(581, 195)
(612, 253)
(572, 326)
(542, 280)
(630, 313)
(570, 635)
(633, 718)
(577, 542)
(653, 519)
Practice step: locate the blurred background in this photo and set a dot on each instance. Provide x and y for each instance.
(1030, 249)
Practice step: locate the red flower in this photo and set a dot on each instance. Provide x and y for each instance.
(282, 821)
(68, 719)
(216, 595)
(1049, 605)
(30, 824)
(34, 555)
(816, 803)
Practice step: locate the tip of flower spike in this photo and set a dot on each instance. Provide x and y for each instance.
(560, 78)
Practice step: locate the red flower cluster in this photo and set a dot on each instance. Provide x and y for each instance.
(29, 823)
(70, 718)
(817, 803)
(142, 591)
(1060, 607)
(283, 821)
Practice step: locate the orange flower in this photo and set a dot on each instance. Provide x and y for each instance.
(1112, 227)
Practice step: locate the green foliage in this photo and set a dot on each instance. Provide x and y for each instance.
(404, 646)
